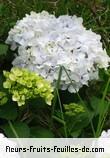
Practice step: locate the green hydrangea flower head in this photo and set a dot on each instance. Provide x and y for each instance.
(73, 109)
(25, 85)
(3, 98)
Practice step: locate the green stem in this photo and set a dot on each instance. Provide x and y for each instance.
(13, 129)
(58, 120)
(93, 130)
(65, 128)
(16, 135)
(102, 113)
(55, 96)
(103, 121)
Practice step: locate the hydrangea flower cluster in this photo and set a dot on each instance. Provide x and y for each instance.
(73, 109)
(45, 43)
(104, 141)
(105, 134)
(3, 98)
(24, 85)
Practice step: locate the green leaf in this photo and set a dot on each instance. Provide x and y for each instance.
(107, 2)
(96, 105)
(1, 9)
(58, 119)
(76, 133)
(3, 49)
(78, 122)
(8, 111)
(1, 81)
(36, 104)
(16, 129)
(39, 132)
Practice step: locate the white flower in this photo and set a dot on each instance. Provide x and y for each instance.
(105, 134)
(7, 142)
(45, 43)
(104, 142)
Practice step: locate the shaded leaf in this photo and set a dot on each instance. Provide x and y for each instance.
(3, 49)
(96, 105)
(8, 111)
(21, 129)
(39, 132)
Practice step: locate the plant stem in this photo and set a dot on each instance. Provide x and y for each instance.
(55, 96)
(17, 137)
(65, 129)
(13, 130)
(93, 130)
(103, 112)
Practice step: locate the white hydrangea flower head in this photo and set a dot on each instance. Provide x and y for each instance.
(45, 43)
(7, 142)
(104, 142)
(105, 134)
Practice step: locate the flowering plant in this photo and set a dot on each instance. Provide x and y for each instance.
(60, 53)
(25, 85)
(3, 98)
(105, 134)
(45, 43)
